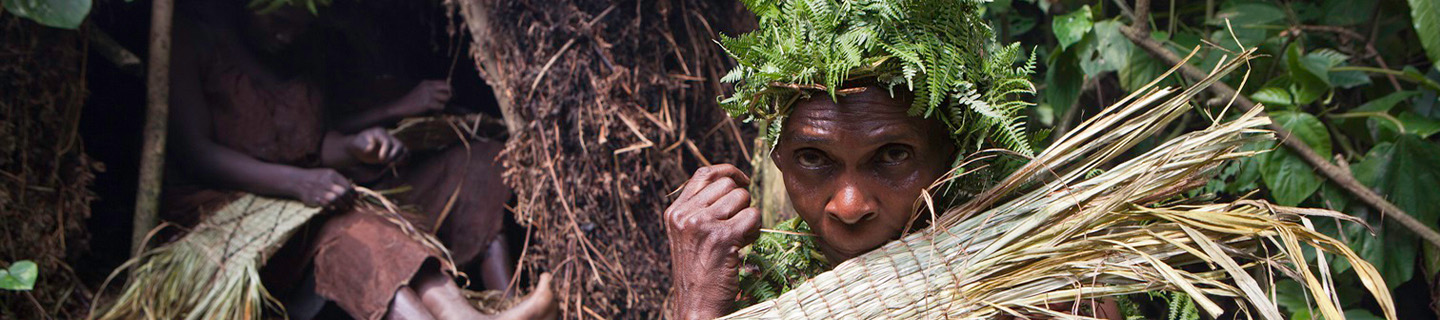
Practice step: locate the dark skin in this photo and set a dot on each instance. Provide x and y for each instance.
(259, 40)
(852, 170)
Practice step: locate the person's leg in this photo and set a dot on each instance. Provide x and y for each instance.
(446, 301)
(407, 306)
(495, 266)
(442, 296)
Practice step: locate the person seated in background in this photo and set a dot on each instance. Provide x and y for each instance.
(247, 117)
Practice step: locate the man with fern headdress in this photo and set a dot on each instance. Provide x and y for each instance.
(873, 109)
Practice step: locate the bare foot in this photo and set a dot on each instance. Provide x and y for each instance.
(446, 302)
(540, 304)
(407, 306)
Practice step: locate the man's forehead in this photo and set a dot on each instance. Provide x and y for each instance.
(874, 116)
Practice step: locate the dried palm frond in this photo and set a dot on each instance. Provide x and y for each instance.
(438, 132)
(1048, 234)
(213, 272)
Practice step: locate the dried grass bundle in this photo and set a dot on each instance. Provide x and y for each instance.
(1058, 236)
(213, 272)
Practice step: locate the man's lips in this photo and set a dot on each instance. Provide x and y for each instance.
(849, 249)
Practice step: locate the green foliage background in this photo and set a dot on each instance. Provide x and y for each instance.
(1354, 80)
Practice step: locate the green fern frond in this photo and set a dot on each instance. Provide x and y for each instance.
(778, 262)
(940, 50)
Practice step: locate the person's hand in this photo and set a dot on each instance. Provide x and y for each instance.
(426, 97)
(319, 187)
(707, 225)
(375, 146)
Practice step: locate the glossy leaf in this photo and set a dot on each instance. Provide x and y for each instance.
(1141, 68)
(1289, 178)
(20, 276)
(64, 14)
(1385, 130)
(1273, 97)
(1071, 27)
(1425, 15)
(1346, 12)
(1248, 14)
(1384, 104)
(1407, 172)
(1064, 79)
(1309, 84)
(1107, 50)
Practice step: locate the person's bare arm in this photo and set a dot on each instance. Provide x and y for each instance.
(707, 225)
(221, 166)
(371, 146)
(428, 96)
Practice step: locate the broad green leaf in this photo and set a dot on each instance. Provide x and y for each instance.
(1141, 69)
(1322, 61)
(1384, 104)
(1346, 12)
(1425, 14)
(1428, 104)
(1289, 178)
(1385, 129)
(1292, 297)
(1108, 50)
(1334, 197)
(1272, 96)
(1248, 37)
(1419, 125)
(64, 14)
(1071, 27)
(1391, 249)
(1063, 80)
(1407, 172)
(1318, 66)
(1306, 11)
(1248, 14)
(1020, 24)
(1309, 85)
(20, 277)
(1348, 79)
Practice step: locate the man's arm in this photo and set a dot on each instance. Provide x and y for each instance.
(707, 225)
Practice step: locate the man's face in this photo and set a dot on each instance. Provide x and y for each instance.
(274, 31)
(854, 169)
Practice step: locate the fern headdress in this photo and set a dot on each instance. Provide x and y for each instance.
(942, 50)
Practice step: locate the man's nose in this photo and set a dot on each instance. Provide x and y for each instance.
(850, 206)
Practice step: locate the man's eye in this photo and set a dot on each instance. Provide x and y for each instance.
(810, 159)
(894, 155)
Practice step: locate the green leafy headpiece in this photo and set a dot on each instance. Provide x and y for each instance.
(942, 50)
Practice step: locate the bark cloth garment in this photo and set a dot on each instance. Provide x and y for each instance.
(359, 259)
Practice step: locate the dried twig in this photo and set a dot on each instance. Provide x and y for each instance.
(115, 53)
